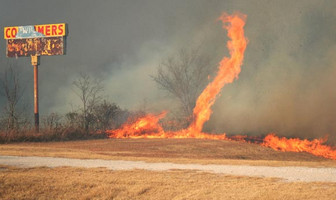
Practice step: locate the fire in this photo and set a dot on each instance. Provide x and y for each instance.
(144, 127)
(148, 126)
(228, 70)
(315, 147)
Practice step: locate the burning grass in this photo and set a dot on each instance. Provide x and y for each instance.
(77, 183)
(315, 147)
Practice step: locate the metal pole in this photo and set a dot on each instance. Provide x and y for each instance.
(35, 63)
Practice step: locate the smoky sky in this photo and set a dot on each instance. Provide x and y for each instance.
(287, 83)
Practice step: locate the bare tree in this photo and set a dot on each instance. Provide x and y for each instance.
(12, 92)
(184, 76)
(89, 91)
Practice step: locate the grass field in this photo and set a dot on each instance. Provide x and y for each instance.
(100, 183)
(77, 183)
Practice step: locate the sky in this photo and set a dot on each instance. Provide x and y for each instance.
(286, 86)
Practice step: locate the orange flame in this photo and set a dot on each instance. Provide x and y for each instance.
(144, 127)
(315, 147)
(148, 126)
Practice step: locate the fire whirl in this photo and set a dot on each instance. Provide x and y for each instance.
(148, 126)
(229, 68)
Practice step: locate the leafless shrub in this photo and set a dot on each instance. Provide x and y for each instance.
(52, 121)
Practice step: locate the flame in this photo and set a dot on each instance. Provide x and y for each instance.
(148, 126)
(228, 70)
(144, 127)
(315, 147)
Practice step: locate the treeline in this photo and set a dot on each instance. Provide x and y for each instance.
(70, 126)
(91, 117)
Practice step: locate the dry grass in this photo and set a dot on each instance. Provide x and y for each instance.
(77, 183)
(168, 150)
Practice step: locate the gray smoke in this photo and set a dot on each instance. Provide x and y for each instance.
(287, 80)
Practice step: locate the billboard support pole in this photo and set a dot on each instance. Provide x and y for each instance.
(35, 63)
(35, 41)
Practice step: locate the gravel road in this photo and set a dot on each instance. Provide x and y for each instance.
(292, 174)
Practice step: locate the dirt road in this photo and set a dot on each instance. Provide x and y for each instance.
(292, 174)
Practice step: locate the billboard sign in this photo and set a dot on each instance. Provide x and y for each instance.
(35, 41)
(33, 31)
(39, 40)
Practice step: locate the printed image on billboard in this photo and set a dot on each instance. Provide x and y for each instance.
(35, 46)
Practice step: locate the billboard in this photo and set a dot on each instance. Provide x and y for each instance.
(40, 40)
(33, 31)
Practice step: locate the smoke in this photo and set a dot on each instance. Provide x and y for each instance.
(286, 83)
